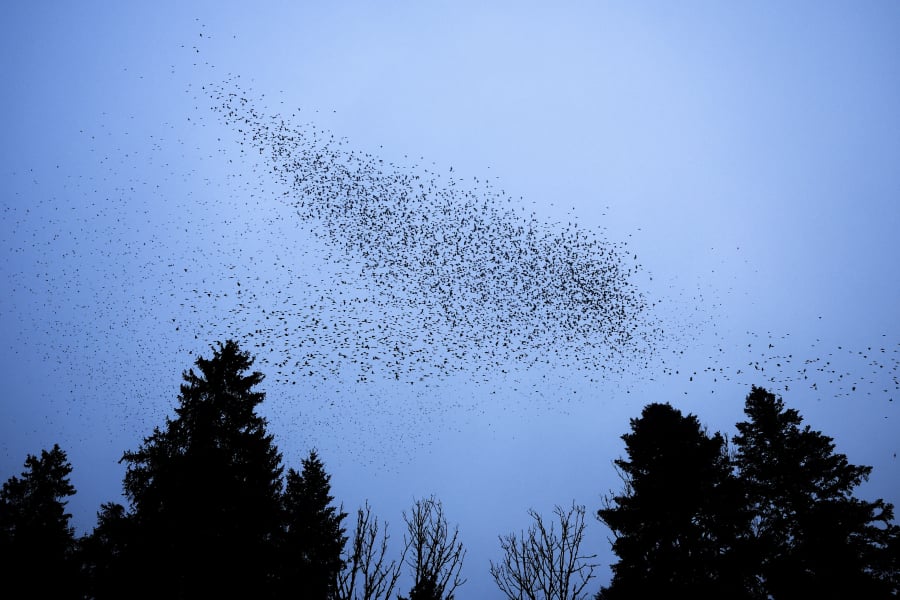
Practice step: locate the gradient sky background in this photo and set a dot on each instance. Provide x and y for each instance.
(747, 154)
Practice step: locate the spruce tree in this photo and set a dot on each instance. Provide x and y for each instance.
(812, 537)
(205, 489)
(426, 589)
(104, 554)
(678, 522)
(313, 537)
(36, 541)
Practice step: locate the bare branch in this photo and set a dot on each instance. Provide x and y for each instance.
(367, 574)
(543, 564)
(437, 554)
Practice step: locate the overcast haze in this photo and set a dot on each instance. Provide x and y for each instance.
(738, 162)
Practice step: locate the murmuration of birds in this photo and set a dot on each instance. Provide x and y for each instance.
(334, 266)
(440, 275)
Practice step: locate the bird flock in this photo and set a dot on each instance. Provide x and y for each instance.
(438, 274)
(346, 275)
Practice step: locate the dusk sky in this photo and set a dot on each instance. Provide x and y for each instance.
(707, 194)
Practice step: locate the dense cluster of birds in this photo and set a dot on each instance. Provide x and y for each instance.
(437, 274)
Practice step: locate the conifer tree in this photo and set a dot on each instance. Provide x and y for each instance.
(313, 538)
(425, 588)
(678, 521)
(812, 537)
(104, 554)
(36, 541)
(205, 489)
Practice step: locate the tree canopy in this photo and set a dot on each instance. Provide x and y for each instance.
(314, 535)
(205, 489)
(811, 536)
(774, 518)
(677, 522)
(36, 540)
(211, 513)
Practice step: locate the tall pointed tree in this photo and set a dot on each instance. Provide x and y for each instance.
(205, 489)
(314, 535)
(812, 537)
(104, 554)
(678, 521)
(36, 541)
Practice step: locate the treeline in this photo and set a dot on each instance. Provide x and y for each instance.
(212, 514)
(770, 515)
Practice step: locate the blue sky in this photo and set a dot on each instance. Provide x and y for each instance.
(745, 154)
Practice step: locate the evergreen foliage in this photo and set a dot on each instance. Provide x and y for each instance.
(811, 537)
(105, 554)
(210, 516)
(36, 541)
(314, 536)
(426, 588)
(205, 489)
(778, 519)
(677, 523)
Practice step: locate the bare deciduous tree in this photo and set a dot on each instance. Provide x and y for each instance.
(436, 554)
(543, 564)
(367, 575)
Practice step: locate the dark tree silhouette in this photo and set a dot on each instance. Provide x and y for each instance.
(367, 574)
(313, 538)
(105, 552)
(543, 563)
(205, 489)
(678, 522)
(426, 588)
(812, 537)
(435, 553)
(36, 541)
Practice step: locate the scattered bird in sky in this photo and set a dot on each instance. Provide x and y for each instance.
(344, 273)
